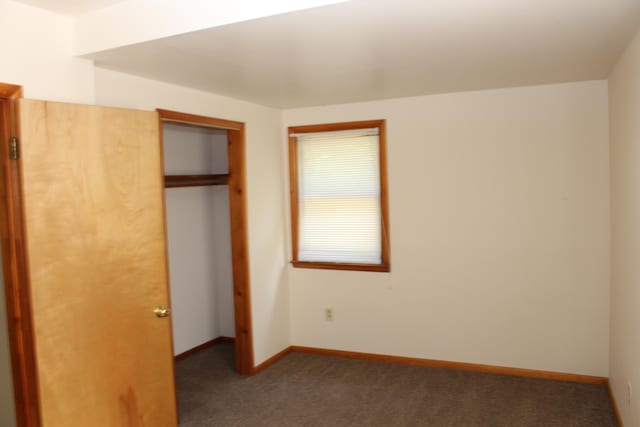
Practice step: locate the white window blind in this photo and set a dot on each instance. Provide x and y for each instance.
(339, 212)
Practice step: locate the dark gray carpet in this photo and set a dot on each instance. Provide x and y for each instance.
(310, 390)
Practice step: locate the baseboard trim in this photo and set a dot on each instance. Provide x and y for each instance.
(433, 363)
(460, 366)
(202, 346)
(614, 403)
(270, 361)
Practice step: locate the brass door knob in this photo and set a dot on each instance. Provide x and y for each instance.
(161, 311)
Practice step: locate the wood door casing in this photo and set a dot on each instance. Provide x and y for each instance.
(238, 226)
(96, 254)
(18, 300)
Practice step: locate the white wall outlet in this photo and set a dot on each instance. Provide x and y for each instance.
(328, 314)
(629, 393)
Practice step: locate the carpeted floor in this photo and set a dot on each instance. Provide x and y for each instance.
(310, 390)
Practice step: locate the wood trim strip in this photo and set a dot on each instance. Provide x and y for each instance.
(329, 127)
(614, 403)
(433, 363)
(293, 195)
(202, 121)
(166, 255)
(459, 366)
(270, 361)
(385, 265)
(240, 251)
(16, 275)
(384, 196)
(176, 181)
(342, 266)
(203, 346)
(10, 91)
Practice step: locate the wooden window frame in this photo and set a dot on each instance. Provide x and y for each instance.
(385, 264)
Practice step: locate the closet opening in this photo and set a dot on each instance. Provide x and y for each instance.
(205, 212)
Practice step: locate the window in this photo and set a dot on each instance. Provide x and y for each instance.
(339, 211)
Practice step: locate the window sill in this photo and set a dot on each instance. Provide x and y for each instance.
(380, 268)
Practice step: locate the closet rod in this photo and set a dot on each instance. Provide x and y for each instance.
(173, 181)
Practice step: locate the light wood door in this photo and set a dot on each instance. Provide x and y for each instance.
(97, 268)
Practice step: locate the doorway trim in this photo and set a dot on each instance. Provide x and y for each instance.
(15, 274)
(238, 222)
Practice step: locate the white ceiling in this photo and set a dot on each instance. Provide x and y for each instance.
(373, 49)
(70, 7)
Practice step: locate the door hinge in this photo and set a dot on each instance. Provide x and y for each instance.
(13, 148)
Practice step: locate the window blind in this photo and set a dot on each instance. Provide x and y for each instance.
(339, 197)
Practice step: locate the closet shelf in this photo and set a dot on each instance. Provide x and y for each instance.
(172, 181)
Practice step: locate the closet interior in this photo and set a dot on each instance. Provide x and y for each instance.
(199, 234)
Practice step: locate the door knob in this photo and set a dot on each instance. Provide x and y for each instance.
(161, 311)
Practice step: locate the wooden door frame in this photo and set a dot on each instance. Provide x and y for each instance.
(238, 222)
(16, 279)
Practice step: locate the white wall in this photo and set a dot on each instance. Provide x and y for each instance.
(265, 192)
(199, 265)
(199, 238)
(225, 313)
(499, 218)
(193, 150)
(36, 54)
(624, 114)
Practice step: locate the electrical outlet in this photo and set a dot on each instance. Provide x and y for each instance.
(629, 393)
(328, 314)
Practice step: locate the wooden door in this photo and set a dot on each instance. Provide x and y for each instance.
(96, 263)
